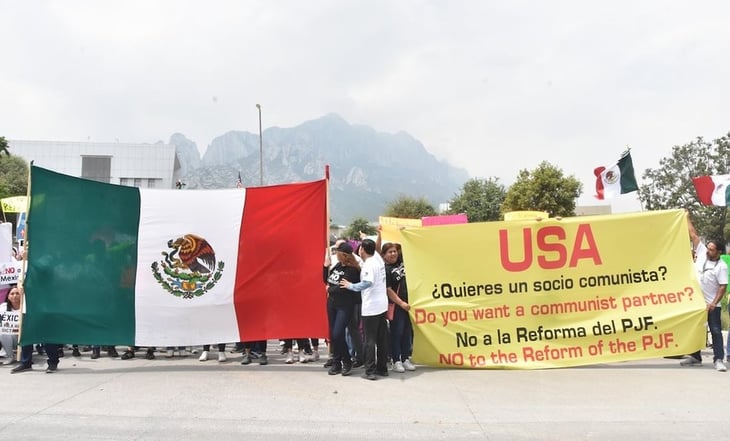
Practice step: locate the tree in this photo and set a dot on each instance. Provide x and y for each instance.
(543, 189)
(409, 208)
(357, 225)
(480, 199)
(13, 177)
(4, 149)
(670, 186)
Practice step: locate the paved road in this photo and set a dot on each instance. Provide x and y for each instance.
(184, 399)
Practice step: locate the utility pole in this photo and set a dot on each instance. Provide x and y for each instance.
(261, 149)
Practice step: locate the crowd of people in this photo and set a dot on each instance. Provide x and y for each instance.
(367, 311)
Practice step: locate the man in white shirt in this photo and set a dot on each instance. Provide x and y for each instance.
(374, 306)
(712, 273)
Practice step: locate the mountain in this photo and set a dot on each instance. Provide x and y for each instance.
(368, 169)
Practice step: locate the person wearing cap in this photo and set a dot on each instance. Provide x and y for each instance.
(353, 336)
(374, 307)
(340, 304)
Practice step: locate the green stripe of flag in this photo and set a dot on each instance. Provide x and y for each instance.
(82, 256)
(628, 179)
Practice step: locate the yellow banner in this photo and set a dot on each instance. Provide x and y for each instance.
(554, 293)
(392, 226)
(15, 204)
(521, 215)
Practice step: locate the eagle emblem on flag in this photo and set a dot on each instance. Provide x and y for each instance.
(190, 269)
(611, 177)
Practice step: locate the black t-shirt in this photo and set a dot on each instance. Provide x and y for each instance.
(395, 279)
(342, 296)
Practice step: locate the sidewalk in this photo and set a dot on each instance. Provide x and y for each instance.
(185, 399)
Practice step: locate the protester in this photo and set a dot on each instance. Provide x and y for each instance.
(26, 353)
(374, 306)
(303, 346)
(314, 344)
(9, 324)
(221, 353)
(171, 350)
(353, 333)
(131, 351)
(340, 304)
(401, 330)
(248, 352)
(712, 273)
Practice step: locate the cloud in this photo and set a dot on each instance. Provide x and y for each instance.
(493, 87)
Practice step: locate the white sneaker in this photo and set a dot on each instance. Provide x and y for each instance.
(203, 356)
(720, 366)
(289, 358)
(408, 365)
(690, 361)
(170, 353)
(221, 357)
(398, 367)
(315, 355)
(303, 357)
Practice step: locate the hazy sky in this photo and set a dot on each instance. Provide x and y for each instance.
(493, 87)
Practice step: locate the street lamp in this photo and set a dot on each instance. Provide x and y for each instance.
(261, 149)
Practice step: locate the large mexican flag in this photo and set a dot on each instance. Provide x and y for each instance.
(109, 264)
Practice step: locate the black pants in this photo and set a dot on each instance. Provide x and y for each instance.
(302, 344)
(376, 343)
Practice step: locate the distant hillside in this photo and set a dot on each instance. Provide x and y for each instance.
(368, 169)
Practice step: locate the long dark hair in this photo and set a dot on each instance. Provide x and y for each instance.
(8, 305)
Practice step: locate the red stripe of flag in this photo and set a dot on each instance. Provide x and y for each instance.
(279, 291)
(599, 182)
(705, 186)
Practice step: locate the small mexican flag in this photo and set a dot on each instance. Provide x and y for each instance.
(616, 179)
(713, 190)
(110, 264)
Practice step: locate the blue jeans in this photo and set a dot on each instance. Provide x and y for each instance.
(401, 335)
(353, 337)
(715, 324)
(339, 317)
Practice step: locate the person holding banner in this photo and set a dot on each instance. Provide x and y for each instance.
(712, 273)
(249, 347)
(26, 354)
(374, 306)
(9, 324)
(340, 304)
(353, 336)
(401, 331)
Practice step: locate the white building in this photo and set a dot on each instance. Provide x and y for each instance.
(138, 165)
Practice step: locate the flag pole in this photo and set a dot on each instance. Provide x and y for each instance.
(24, 263)
(327, 205)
